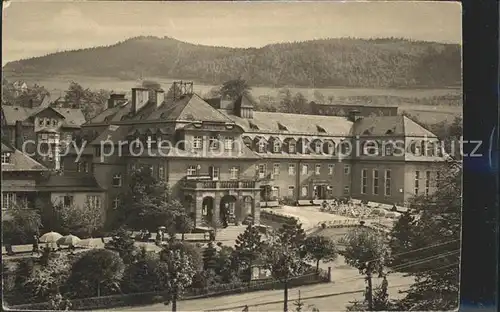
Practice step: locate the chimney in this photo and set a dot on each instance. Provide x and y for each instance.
(354, 115)
(19, 135)
(160, 97)
(115, 99)
(140, 97)
(30, 103)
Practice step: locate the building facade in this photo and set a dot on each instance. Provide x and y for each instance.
(229, 160)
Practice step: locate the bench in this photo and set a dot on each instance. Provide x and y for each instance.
(304, 202)
(270, 204)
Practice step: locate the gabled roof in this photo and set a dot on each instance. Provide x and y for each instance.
(73, 117)
(113, 133)
(268, 122)
(392, 125)
(20, 161)
(244, 100)
(70, 183)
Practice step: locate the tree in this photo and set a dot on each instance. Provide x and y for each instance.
(435, 245)
(210, 257)
(179, 271)
(366, 250)
(248, 248)
(80, 221)
(320, 248)
(194, 252)
(124, 244)
(32, 96)
(104, 278)
(20, 225)
(235, 88)
(144, 275)
(401, 239)
(90, 102)
(47, 279)
(291, 235)
(150, 84)
(226, 266)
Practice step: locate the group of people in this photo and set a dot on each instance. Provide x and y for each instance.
(48, 248)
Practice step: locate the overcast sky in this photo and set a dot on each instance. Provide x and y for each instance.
(36, 28)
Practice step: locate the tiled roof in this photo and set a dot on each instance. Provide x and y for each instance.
(113, 133)
(20, 161)
(109, 113)
(390, 125)
(6, 148)
(70, 183)
(268, 122)
(73, 117)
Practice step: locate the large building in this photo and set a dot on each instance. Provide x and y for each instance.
(231, 159)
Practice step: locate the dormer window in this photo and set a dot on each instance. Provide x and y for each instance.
(320, 129)
(47, 122)
(292, 148)
(389, 131)
(276, 146)
(262, 146)
(54, 122)
(41, 122)
(5, 158)
(253, 126)
(281, 127)
(366, 132)
(317, 147)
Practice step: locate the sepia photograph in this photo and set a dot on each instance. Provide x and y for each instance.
(232, 156)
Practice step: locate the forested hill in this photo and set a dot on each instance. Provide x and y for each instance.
(319, 63)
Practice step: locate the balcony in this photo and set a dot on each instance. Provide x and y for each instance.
(221, 185)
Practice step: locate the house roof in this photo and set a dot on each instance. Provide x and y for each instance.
(174, 152)
(20, 161)
(390, 125)
(113, 133)
(269, 122)
(73, 117)
(70, 183)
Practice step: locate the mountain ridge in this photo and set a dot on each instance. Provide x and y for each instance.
(342, 62)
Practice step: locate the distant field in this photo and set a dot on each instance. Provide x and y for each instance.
(57, 85)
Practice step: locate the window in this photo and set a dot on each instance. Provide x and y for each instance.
(116, 203)
(67, 201)
(347, 190)
(68, 136)
(46, 121)
(305, 169)
(94, 201)
(234, 173)
(117, 180)
(215, 173)
(417, 180)
(304, 191)
(228, 143)
(347, 169)
(370, 148)
(387, 183)
(438, 179)
(375, 182)
(5, 158)
(292, 147)
(44, 136)
(364, 181)
(389, 149)
(213, 143)
(132, 167)
(161, 172)
(8, 200)
(41, 122)
(331, 169)
(191, 170)
(262, 146)
(430, 148)
(197, 142)
(416, 146)
(291, 191)
(317, 147)
(276, 146)
(261, 170)
(276, 169)
(54, 122)
(331, 148)
(427, 182)
(275, 192)
(317, 170)
(291, 169)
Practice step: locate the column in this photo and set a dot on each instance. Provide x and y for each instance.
(256, 209)
(216, 208)
(198, 210)
(238, 209)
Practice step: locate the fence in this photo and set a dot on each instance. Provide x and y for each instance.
(275, 217)
(122, 300)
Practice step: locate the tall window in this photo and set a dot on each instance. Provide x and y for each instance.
(438, 179)
(305, 169)
(215, 173)
(234, 173)
(116, 203)
(347, 190)
(389, 149)
(161, 172)
(347, 169)
(375, 182)
(364, 181)
(276, 169)
(331, 169)
(275, 192)
(198, 142)
(117, 180)
(292, 147)
(417, 180)
(191, 170)
(277, 146)
(304, 191)
(291, 191)
(67, 201)
(387, 183)
(8, 200)
(427, 182)
(317, 147)
(54, 122)
(5, 158)
(213, 143)
(41, 122)
(94, 201)
(262, 146)
(228, 143)
(317, 170)
(291, 169)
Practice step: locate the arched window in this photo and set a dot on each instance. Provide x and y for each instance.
(318, 147)
(117, 180)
